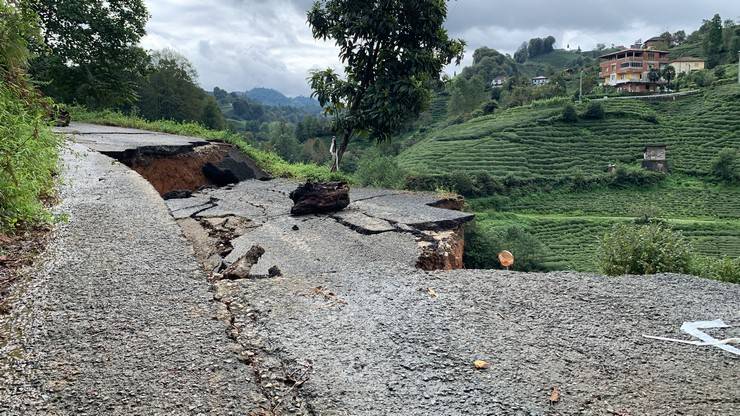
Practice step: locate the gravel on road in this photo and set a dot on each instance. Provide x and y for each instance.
(384, 341)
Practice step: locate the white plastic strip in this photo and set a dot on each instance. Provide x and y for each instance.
(694, 329)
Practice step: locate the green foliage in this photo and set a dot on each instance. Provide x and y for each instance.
(521, 54)
(469, 185)
(28, 157)
(726, 269)
(726, 166)
(570, 115)
(483, 245)
(668, 74)
(268, 161)
(282, 141)
(28, 149)
(644, 249)
(212, 116)
(489, 107)
(169, 92)
(628, 176)
(18, 25)
(391, 51)
(378, 170)
(540, 46)
(91, 55)
(488, 64)
(594, 111)
(466, 95)
(713, 42)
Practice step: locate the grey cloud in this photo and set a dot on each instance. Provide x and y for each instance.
(241, 44)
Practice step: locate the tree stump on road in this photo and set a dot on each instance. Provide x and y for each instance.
(319, 198)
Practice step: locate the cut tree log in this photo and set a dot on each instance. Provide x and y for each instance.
(319, 197)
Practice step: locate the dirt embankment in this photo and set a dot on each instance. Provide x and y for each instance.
(177, 172)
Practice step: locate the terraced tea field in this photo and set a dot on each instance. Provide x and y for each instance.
(684, 198)
(572, 241)
(531, 142)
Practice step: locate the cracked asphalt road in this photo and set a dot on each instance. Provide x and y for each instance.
(119, 318)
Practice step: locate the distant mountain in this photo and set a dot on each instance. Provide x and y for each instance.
(271, 97)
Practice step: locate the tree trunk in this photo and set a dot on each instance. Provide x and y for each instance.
(340, 151)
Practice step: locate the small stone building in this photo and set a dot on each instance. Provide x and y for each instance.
(654, 158)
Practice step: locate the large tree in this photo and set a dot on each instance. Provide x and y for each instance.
(390, 49)
(713, 42)
(170, 91)
(90, 53)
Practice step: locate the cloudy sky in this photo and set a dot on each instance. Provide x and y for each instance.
(241, 44)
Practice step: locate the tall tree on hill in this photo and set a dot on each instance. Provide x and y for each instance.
(679, 37)
(536, 47)
(521, 54)
(169, 91)
(90, 54)
(669, 74)
(391, 49)
(548, 44)
(466, 94)
(713, 42)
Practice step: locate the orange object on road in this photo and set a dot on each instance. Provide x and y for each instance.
(506, 258)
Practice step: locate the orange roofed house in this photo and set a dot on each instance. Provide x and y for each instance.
(628, 69)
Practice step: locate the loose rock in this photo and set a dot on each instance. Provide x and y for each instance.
(240, 269)
(316, 198)
(274, 271)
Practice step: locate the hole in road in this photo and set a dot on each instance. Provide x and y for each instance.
(177, 171)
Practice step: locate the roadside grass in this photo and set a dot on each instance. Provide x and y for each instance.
(270, 162)
(28, 162)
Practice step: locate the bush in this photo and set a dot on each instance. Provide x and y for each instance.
(725, 166)
(569, 113)
(725, 269)
(482, 248)
(28, 148)
(594, 111)
(702, 78)
(643, 249)
(379, 171)
(625, 176)
(489, 107)
(477, 184)
(28, 161)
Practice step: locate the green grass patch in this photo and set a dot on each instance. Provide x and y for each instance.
(268, 161)
(28, 161)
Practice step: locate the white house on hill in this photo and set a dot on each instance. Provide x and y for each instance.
(540, 80)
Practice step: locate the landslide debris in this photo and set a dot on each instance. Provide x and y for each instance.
(319, 198)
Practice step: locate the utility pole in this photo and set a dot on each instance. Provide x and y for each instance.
(738, 67)
(580, 88)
